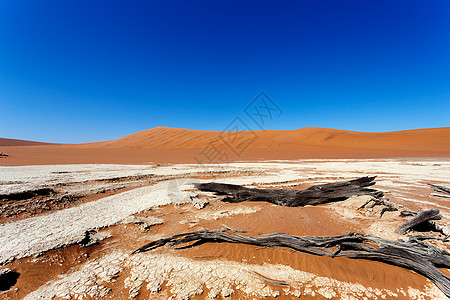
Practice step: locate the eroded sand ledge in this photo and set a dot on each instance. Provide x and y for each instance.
(402, 180)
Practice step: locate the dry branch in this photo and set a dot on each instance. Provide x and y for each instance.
(232, 229)
(440, 188)
(318, 194)
(388, 206)
(421, 219)
(439, 195)
(414, 254)
(407, 213)
(269, 280)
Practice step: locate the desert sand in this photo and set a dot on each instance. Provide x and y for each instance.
(80, 247)
(172, 145)
(71, 215)
(14, 142)
(434, 139)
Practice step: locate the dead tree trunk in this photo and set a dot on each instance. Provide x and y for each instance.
(318, 194)
(421, 221)
(415, 255)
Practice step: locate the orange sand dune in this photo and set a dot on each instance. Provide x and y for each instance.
(172, 145)
(434, 140)
(14, 142)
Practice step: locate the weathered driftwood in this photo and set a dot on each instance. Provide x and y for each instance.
(232, 229)
(371, 203)
(440, 188)
(421, 221)
(408, 213)
(439, 195)
(314, 195)
(420, 257)
(269, 280)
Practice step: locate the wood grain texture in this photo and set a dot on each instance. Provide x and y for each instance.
(318, 194)
(413, 254)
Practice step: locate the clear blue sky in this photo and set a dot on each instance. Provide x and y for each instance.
(79, 71)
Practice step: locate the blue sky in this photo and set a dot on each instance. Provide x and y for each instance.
(80, 71)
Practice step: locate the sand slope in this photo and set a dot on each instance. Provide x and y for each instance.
(173, 145)
(431, 140)
(14, 142)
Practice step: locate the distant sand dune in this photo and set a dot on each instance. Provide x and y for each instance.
(432, 140)
(173, 145)
(14, 142)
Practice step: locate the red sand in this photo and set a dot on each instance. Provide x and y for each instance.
(13, 142)
(172, 145)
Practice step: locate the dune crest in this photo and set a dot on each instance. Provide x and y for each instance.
(433, 139)
(174, 145)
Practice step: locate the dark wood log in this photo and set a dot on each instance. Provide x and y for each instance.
(421, 221)
(414, 254)
(441, 188)
(318, 194)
